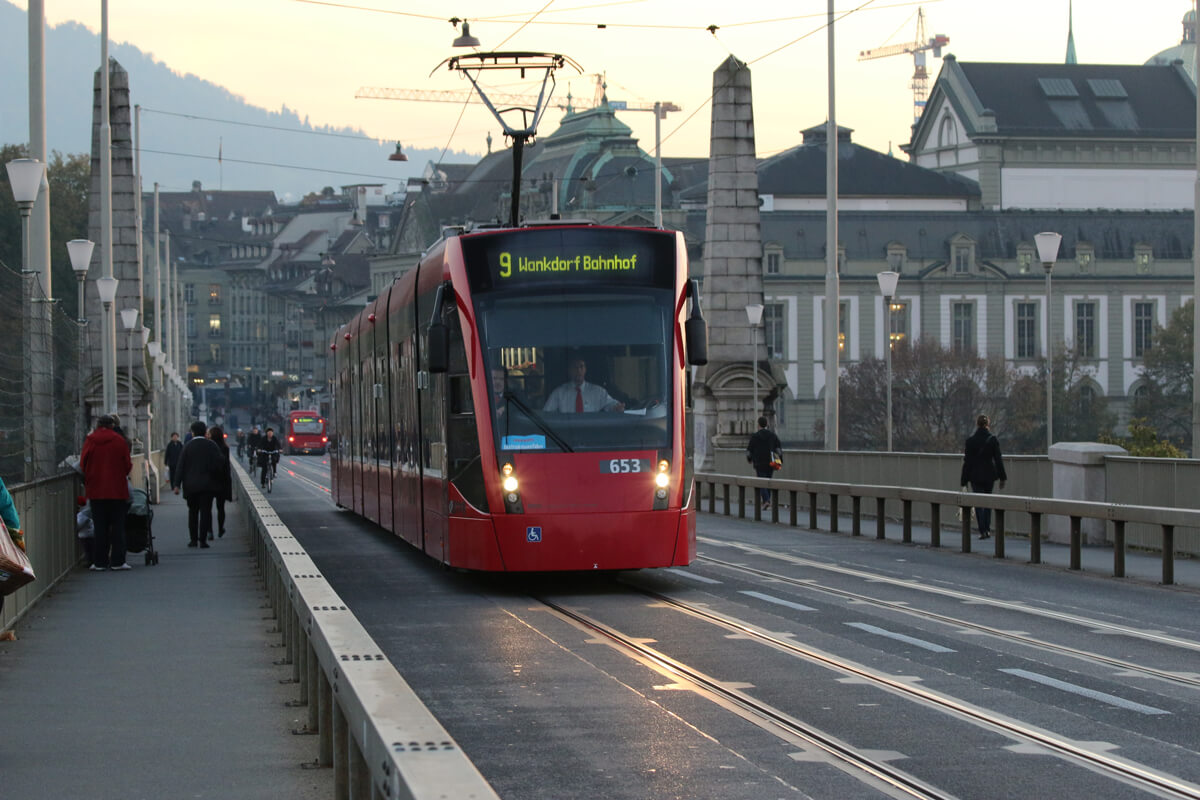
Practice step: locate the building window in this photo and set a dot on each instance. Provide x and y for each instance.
(1143, 328)
(773, 329)
(962, 259)
(774, 259)
(214, 294)
(1027, 324)
(214, 353)
(1143, 258)
(214, 325)
(191, 325)
(843, 327)
(896, 256)
(1087, 399)
(899, 324)
(1024, 260)
(1085, 330)
(1085, 257)
(189, 294)
(962, 317)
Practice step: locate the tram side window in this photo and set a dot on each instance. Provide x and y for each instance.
(462, 435)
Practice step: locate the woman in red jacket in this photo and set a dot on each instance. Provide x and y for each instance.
(105, 463)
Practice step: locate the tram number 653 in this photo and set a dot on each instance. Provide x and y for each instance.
(621, 466)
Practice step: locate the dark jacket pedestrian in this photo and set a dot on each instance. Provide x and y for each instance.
(202, 468)
(106, 464)
(982, 467)
(171, 457)
(763, 447)
(217, 434)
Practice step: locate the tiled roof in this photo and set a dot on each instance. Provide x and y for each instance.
(1095, 100)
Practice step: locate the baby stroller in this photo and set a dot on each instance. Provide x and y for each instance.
(138, 533)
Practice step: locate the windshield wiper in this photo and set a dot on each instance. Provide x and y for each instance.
(537, 420)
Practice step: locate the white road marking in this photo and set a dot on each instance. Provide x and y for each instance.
(900, 637)
(778, 601)
(1045, 680)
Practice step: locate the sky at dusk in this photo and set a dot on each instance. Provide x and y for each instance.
(313, 56)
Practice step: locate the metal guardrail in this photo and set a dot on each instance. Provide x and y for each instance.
(47, 510)
(378, 737)
(1167, 519)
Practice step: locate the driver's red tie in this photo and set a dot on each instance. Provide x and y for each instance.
(578, 400)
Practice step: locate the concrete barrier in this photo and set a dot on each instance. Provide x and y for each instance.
(376, 734)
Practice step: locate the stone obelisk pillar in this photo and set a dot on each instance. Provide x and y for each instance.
(724, 389)
(125, 257)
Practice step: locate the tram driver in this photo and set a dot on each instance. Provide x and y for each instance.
(577, 395)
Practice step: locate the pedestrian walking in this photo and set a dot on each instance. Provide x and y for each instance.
(982, 467)
(764, 452)
(106, 464)
(201, 465)
(171, 457)
(12, 521)
(217, 434)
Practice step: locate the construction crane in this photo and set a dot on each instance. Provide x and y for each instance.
(470, 96)
(920, 79)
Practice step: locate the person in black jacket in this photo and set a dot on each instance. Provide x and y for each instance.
(217, 434)
(202, 467)
(759, 452)
(171, 458)
(268, 449)
(982, 467)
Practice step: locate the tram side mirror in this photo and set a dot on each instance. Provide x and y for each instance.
(695, 329)
(439, 347)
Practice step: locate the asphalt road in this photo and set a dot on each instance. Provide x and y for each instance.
(829, 667)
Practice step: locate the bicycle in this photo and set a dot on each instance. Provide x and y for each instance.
(268, 475)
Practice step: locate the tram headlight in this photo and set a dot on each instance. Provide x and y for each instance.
(662, 480)
(510, 481)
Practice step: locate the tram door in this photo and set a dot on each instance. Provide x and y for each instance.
(431, 392)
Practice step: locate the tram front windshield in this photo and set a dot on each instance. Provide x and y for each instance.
(578, 372)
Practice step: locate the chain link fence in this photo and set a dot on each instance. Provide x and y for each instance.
(43, 364)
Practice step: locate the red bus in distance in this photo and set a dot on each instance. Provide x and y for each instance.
(306, 433)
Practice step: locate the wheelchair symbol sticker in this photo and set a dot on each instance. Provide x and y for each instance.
(533, 534)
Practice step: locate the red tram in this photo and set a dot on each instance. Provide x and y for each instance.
(448, 428)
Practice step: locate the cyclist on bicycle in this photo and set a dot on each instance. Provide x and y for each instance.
(268, 454)
(252, 442)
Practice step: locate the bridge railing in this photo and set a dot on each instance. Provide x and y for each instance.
(378, 737)
(47, 510)
(732, 491)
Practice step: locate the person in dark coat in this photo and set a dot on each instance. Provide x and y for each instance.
(171, 457)
(759, 452)
(201, 470)
(982, 467)
(105, 464)
(217, 434)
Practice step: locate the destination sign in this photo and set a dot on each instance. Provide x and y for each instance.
(550, 257)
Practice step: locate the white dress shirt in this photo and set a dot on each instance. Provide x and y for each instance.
(595, 398)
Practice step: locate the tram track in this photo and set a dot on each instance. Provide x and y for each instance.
(954, 594)
(1081, 753)
(893, 781)
(1180, 679)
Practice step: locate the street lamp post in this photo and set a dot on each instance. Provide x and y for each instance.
(107, 288)
(754, 313)
(25, 177)
(129, 318)
(887, 286)
(1047, 247)
(80, 251)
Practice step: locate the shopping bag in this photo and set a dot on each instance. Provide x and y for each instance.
(958, 512)
(15, 570)
(776, 460)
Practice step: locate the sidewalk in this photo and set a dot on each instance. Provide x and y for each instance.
(1141, 566)
(156, 682)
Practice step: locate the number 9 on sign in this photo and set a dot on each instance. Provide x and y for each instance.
(505, 265)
